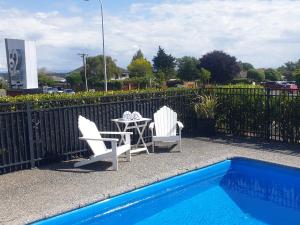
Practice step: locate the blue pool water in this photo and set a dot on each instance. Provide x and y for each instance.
(238, 191)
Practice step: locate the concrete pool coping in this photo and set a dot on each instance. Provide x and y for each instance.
(31, 195)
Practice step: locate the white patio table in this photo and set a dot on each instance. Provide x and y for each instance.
(140, 126)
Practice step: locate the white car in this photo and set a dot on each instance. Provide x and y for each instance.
(50, 90)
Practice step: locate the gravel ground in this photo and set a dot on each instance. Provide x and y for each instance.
(30, 195)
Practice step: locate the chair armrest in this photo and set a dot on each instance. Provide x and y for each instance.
(180, 125)
(115, 132)
(151, 126)
(99, 139)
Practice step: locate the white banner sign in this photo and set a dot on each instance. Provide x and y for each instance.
(22, 64)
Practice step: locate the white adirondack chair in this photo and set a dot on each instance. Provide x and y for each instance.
(165, 126)
(93, 137)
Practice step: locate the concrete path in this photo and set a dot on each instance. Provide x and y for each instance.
(30, 195)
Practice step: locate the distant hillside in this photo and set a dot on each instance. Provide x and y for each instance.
(57, 74)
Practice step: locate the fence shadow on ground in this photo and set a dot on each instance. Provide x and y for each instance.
(255, 144)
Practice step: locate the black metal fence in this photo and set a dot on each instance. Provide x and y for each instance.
(30, 136)
(257, 112)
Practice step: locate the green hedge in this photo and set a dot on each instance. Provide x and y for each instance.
(42, 101)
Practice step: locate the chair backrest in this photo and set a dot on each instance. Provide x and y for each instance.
(89, 129)
(165, 121)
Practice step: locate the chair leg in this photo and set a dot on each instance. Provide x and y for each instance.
(153, 146)
(115, 164)
(128, 156)
(114, 156)
(180, 147)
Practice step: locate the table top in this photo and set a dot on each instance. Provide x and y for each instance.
(121, 120)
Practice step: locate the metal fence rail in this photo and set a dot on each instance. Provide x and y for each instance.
(31, 135)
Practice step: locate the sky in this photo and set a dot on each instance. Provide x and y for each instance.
(264, 33)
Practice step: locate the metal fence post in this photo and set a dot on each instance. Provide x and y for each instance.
(268, 115)
(134, 103)
(30, 133)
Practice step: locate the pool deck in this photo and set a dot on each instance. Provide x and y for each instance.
(30, 195)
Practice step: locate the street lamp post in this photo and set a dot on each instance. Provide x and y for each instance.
(103, 45)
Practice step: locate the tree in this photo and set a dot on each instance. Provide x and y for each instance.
(297, 77)
(165, 63)
(95, 72)
(75, 79)
(44, 79)
(288, 69)
(256, 75)
(205, 76)
(273, 75)
(3, 84)
(222, 66)
(246, 66)
(160, 77)
(140, 68)
(138, 55)
(187, 68)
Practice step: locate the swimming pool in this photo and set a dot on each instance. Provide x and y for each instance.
(237, 191)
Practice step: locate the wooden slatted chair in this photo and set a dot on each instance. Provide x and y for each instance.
(92, 136)
(164, 127)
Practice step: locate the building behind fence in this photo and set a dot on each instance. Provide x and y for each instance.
(31, 135)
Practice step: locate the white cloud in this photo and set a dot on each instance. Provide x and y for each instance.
(265, 33)
(74, 9)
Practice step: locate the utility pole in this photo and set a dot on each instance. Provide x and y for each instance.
(83, 56)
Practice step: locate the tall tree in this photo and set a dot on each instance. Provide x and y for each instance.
(164, 63)
(288, 69)
(44, 79)
(246, 66)
(140, 68)
(138, 55)
(272, 75)
(222, 66)
(75, 79)
(256, 75)
(95, 71)
(187, 68)
(205, 76)
(3, 84)
(297, 77)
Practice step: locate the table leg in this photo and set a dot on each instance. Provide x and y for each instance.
(122, 136)
(141, 132)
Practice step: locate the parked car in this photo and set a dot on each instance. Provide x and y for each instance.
(291, 88)
(50, 90)
(277, 86)
(69, 91)
(60, 90)
(272, 85)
